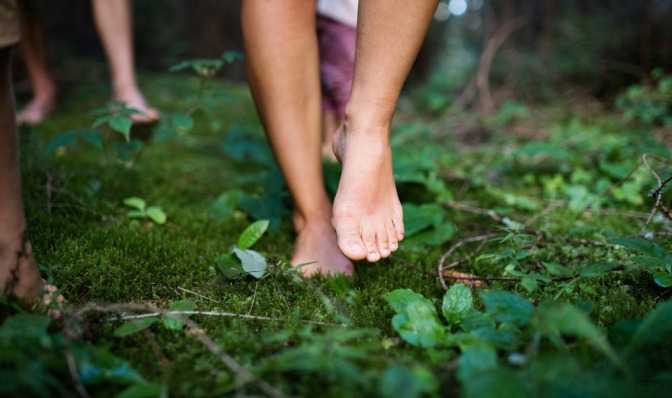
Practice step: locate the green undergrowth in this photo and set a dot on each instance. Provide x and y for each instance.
(544, 183)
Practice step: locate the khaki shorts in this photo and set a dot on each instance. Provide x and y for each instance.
(9, 23)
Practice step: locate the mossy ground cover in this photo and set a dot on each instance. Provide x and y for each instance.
(545, 180)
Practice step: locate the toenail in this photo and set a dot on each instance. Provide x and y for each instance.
(394, 246)
(385, 252)
(355, 247)
(374, 257)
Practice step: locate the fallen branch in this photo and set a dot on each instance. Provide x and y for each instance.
(215, 313)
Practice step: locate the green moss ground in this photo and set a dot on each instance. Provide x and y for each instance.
(96, 254)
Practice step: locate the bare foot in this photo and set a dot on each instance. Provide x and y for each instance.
(316, 244)
(367, 213)
(133, 98)
(20, 277)
(36, 111)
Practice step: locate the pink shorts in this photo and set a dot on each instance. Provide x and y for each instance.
(337, 63)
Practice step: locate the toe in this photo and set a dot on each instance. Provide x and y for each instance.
(383, 241)
(350, 241)
(398, 225)
(369, 238)
(392, 237)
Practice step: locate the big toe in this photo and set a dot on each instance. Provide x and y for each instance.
(350, 242)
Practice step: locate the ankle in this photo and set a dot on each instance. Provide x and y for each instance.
(301, 219)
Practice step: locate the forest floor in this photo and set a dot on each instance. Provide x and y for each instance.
(537, 208)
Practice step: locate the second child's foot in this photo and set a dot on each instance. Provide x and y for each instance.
(367, 214)
(316, 244)
(36, 111)
(135, 100)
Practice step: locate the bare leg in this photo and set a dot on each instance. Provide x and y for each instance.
(34, 53)
(18, 272)
(113, 20)
(282, 64)
(367, 213)
(330, 122)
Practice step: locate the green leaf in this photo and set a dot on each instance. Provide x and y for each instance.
(508, 307)
(252, 234)
(420, 325)
(596, 270)
(121, 124)
(97, 364)
(529, 283)
(457, 301)
(644, 246)
(230, 56)
(434, 236)
(103, 119)
(224, 205)
(253, 262)
(477, 357)
(648, 261)
(399, 299)
(418, 218)
(68, 139)
(655, 329)
(141, 390)
(182, 305)
(399, 381)
(229, 266)
(558, 269)
(563, 319)
(135, 202)
(663, 279)
(182, 122)
(156, 214)
(93, 137)
(134, 326)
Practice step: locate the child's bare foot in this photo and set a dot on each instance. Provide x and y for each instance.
(36, 111)
(316, 243)
(367, 213)
(133, 98)
(20, 277)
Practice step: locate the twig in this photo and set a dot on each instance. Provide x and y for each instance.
(223, 314)
(74, 375)
(199, 295)
(254, 297)
(503, 278)
(457, 245)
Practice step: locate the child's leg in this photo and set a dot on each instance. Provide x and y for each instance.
(33, 49)
(282, 65)
(18, 272)
(367, 213)
(113, 21)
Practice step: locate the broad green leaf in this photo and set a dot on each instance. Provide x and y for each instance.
(253, 262)
(101, 120)
(182, 122)
(135, 202)
(477, 357)
(229, 265)
(399, 299)
(529, 283)
(182, 305)
(596, 270)
(476, 320)
(93, 137)
(648, 261)
(121, 124)
(252, 234)
(643, 246)
(156, 214)
(457, 301)
(225, 204)
(134, 326)
(557, 320)
(26, 328)
(498, 383)
(654, 329)
(61, 140)
(420, 325)
(557, 269)
(399, 381)
(142, 390)
(230, 56)
(663, 279)
(97, 364)
(434, 236)
(508, 307)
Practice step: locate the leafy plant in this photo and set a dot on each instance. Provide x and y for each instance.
(242, 260)
(142, 211)
(655, 257)
(169, 321)
(649, 103)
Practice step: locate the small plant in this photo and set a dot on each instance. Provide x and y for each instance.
(242, 260)
(649, 104)
(140, 210)
(655, 258)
